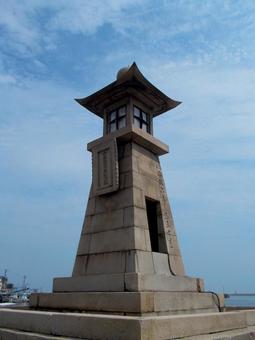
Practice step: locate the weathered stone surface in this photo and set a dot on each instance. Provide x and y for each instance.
(126, 180)
(29, 321)
(105, 170)
(142, 239)
(117, 223)
(96, 326)
(250, 317)
(101, 302)
(197, 324)
(113, 240)
(112, 219)
(91, 206)
(90, 283)
(8, 334)
(176, 264)
(144, 262)
(160, 263)
(132, 282)
(140, 303)
(247, 333)
(159, 282)
(99, 326)
(135, 216)
(104, 263)
(84, 244)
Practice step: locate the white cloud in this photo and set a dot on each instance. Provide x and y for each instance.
(29, 27)
(7, 79)
(86, 17)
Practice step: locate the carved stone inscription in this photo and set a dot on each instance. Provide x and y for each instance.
(104, 175)
(169, 229)
(105, 168)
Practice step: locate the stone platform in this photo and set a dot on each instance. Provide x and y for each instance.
(27, 324)
(131, 282)
(129, 303)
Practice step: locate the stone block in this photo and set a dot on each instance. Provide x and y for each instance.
(141, 152)
(145, 262)
(113, 240)
(106, 263)
(131, 261)
(135, 303)
(121, 302)
(100, 326)
(120, 199)
(29, 321)
(148, 141)
(135, 216)
(165, 327)
(84, 244)
(131, 282)
(112, 219)
(126, 180)
(250, 317)
(176, 265)
(161, 264)
(147, 239)
(173, 248)
(91, 326)
(141, 239)
(140, 217)
(86, 224)
(138, 198)
(151, 188)
(7, 334)
(91, 206)
(79, 265)
(125, 164)
(90, 283)
(137, 180)
(184, 301)
(128, 220)
(159, 282)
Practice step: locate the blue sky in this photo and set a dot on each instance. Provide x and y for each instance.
(199, 52)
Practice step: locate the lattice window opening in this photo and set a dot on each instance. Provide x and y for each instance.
(117, 119)
(141, 119)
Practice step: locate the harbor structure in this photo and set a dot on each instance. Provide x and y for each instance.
(128, 248)
(128, 279)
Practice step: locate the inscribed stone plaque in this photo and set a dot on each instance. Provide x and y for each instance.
(105, 168)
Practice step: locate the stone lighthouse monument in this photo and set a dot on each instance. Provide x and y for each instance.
(128, 281)
(128, 258)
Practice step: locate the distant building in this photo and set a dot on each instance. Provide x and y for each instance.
(3, 283)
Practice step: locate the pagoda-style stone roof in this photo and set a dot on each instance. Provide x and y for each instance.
(129, 82)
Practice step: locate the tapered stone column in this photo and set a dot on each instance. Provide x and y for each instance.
(128, 258)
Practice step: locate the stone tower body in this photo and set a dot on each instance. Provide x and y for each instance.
(128, 259)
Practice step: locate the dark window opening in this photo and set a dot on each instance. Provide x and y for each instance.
(156, 228)
(117, 119)
(141, 119)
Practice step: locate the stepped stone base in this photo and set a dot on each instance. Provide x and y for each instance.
(132, 282)
(21, 324)
(247, 334)
(129, 303)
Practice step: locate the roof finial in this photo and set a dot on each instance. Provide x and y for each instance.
(122, 71)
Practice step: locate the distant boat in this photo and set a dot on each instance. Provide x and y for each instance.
(9, 295)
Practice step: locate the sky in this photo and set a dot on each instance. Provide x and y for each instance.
(199, 52)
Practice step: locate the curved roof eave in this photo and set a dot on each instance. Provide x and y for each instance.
(133, 74)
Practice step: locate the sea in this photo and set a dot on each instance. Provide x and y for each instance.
(240, 301)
